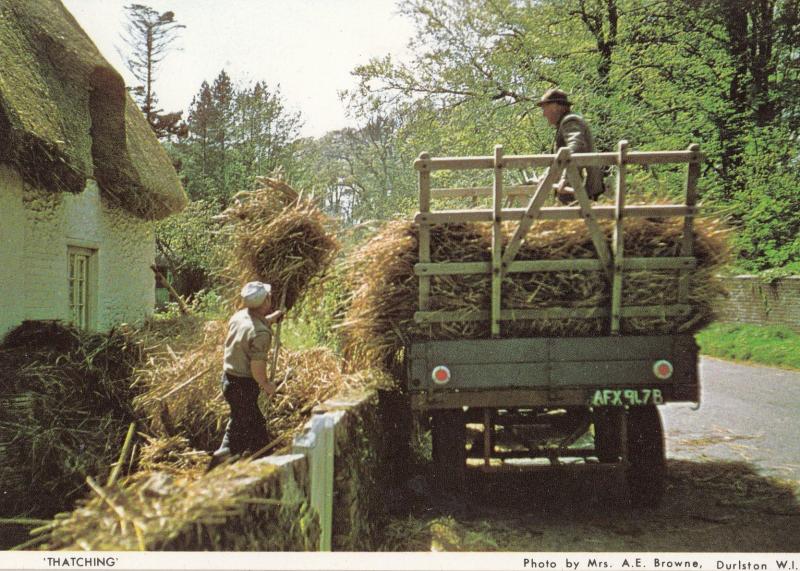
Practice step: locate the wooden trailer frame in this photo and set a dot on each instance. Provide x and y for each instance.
(610, 259)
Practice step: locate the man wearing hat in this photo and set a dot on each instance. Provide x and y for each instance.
(244, 372)
(571, 131)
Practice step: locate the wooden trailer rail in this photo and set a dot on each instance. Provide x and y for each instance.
(610, 259)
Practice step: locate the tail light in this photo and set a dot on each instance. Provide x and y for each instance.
(440, 375)
(663, 369)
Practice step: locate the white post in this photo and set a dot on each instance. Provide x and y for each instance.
(319, 446)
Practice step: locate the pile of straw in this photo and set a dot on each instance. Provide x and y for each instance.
(66, 405)
(181, 384)
(279, 238)
(380, 322)
(156, 510)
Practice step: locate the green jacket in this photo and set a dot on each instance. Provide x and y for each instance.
(573, 132)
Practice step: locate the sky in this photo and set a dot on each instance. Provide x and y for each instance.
(307, 47)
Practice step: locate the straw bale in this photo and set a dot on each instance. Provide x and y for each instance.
(379, 321)
(279, 238)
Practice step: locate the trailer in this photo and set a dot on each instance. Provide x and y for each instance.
(542, 402)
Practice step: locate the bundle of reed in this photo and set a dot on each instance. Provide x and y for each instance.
(279, 238)
(171, 454)
(66, 406)
(379, 321)
(643, 237)
(170, 502)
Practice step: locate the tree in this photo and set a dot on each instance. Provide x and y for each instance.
(234, 135)
(149, 37)
(262, 132)
(659, 73)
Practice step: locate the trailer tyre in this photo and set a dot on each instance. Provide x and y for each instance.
(449, 432)
(608, 433)
(646, 473)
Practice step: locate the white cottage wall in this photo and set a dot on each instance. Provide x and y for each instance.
(38, 227)
(12, 240)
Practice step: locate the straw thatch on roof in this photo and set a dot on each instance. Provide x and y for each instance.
(65, 115)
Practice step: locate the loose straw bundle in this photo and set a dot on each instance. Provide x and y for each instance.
(380, 321)
(182, 395)
(66, 406)
(158, 510)
(279, 238)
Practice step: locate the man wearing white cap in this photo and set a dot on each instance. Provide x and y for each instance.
(244, 372)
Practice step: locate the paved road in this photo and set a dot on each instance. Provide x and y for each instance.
(747, 413)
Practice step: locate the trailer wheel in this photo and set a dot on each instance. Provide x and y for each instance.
(449, 431)
(647, 466)
(608, 433)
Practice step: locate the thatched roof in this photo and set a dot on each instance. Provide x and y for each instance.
(65, 115)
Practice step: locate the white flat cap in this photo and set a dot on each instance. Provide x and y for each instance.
(254, 293)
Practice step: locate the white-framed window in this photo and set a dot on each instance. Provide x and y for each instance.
(81, 285)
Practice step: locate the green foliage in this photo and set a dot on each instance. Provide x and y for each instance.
(193, 247)
(236, 133)
(768, 207)
(311, 323)
(358, 174)
(149, 36)
(206, 304)
(660, 74)
(773, 345)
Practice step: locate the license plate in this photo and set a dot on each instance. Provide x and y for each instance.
(626, 397)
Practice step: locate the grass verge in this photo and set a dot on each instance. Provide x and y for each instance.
(773, 345)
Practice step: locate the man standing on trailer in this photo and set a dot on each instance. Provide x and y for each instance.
(245, 372)
(571, 131)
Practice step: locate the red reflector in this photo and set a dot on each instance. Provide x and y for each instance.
(440, 375)
(662, 369)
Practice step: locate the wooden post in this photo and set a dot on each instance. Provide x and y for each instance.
(277, 348)
(497, 240)
(172, 292)
(423, 165)
(596, 233)
(535, 205)
(488, 436)
(617, 246)
(319, 445)
(687, 245)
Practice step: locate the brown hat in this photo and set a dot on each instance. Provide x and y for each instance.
(554, 95)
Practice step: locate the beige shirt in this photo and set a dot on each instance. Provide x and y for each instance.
(249, 339)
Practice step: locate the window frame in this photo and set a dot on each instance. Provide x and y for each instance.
(87, 289)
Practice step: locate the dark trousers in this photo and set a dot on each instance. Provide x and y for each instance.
(246, 431)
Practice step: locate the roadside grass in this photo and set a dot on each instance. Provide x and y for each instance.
(773, 345)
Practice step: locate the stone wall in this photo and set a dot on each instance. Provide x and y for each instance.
(752, 299)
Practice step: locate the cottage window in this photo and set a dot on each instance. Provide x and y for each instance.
(80, 290)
